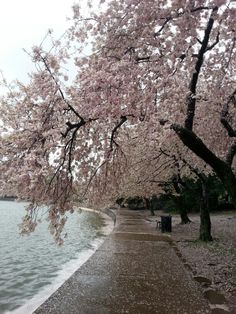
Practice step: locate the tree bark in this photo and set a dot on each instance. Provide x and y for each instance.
(184, 216)
(205, 221)
(149, 206)
(180, 203)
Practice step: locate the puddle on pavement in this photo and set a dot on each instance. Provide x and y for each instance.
(203, 281)
(220, 310)
(128, 223)
(140, 237)
(214, 297)
(188, 267)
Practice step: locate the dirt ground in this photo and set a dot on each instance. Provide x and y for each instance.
(215, 261)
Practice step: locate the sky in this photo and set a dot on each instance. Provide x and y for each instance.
(23, 24)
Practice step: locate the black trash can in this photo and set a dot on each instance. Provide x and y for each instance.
(166, 223)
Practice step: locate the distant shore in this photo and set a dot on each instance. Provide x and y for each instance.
(8, 198)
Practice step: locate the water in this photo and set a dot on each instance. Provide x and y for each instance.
(32, 267)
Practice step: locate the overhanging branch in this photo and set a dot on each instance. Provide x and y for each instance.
(196, 145)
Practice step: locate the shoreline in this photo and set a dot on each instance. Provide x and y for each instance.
(105, 212)
(68, 269)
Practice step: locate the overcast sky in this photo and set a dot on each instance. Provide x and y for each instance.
(23, 24)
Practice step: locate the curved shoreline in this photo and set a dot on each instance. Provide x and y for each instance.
(107, 211)
(34, 303)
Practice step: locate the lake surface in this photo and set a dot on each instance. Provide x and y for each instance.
(32, 267)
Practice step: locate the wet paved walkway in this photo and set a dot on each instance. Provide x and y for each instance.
(135, 271)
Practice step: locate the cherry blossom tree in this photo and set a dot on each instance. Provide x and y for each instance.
(150, 168)
(168, 66)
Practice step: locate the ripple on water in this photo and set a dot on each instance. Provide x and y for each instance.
(29, 264)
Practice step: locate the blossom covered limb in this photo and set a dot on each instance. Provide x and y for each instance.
(225, 116)
(191, 98)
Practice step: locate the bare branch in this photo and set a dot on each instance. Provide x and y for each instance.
(142, 59)
(199, 41)
(200, 8)
(168, 18)
(123, 119)
(92, 176)
(215, 42)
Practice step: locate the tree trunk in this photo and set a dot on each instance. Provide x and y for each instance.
(184, 216)
(149, 206)
(205, 220)
(229, 181)
(181, 206)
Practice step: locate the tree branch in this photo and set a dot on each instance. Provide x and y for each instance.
(196, 145)
(231, 154)
(224, 115)
(71, 126)
(123, 119)
(221, 167)
(215, 42)
(59, 89)
(92, 176)
(190, 99)
(176, 15)
(231, 52)
(168, 18)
